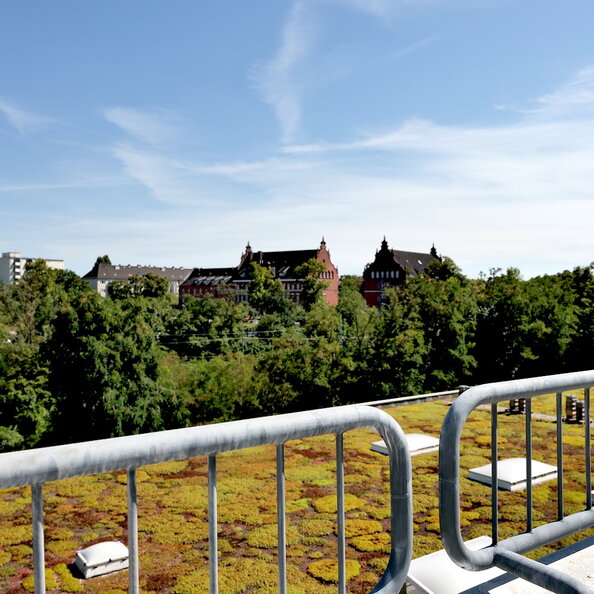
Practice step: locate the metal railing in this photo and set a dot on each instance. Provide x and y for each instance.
(36, 467)
(507, 554)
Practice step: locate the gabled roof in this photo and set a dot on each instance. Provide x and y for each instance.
(113, 272)
(413, 263)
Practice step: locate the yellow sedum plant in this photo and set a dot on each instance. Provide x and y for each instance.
(327, 569)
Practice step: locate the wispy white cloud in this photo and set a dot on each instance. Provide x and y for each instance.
(378, 8)
(23, 121)
(412, 48)
(575, 98)
(575, 95)
(164, 177)
(40, 187)
(281, 80)
(157, 127)
(277, 80)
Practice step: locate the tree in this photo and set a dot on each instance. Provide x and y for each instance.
(29, 309)
(524, 328)
(313, 287)
(447, 308)
(206, 326)
(103, 365)
(395, 359)
(267, 295)
(579, 283)
(149, 285)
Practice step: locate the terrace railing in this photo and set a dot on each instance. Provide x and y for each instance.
(507, 554)
(36, 467)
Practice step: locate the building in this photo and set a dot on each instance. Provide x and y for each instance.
(100, 277)
(282, 265)
(391, 268)
(209, 281)
(12, 266)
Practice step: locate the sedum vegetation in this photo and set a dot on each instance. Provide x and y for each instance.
(173, 511)
(75, 366)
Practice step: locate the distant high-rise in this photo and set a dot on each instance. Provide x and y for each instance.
(12, 266)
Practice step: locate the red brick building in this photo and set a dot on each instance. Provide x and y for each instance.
(221, 281)
(391, 268)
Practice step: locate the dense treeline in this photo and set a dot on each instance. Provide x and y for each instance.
(75, 366)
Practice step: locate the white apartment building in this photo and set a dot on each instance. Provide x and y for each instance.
(12, 266)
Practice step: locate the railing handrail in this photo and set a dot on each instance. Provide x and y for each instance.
(503, 554)
(35, 467)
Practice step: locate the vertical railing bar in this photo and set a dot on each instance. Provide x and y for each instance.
(340, 512)
(588, 449)
(133, 573)
(559, 458)
(213, 549)
(494, 477)
(38, 542)
(528, 464)
(281, 518)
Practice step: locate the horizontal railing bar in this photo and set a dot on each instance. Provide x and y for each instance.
(59, 462)
(545, 576)
(404, 400)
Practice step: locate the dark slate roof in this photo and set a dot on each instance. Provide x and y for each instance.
(281, 264)
(413, 262)
(116, 272)
(209, 277)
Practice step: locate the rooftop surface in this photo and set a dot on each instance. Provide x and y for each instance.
(173, 510)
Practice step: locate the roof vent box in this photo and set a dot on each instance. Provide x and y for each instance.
(102, 558)
(511, 473)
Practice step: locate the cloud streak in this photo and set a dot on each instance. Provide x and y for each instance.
(281, 80)
(276, 79)
(23, 121)
(155, 128)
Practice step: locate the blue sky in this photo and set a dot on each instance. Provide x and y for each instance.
(172, 133)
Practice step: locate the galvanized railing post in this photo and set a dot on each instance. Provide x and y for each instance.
(528, 464)
(587, 427)
(133, 572)
(38, 543)
(560, 512)
(281, 518)
(213, 548)
(494, 476)
(340, 513)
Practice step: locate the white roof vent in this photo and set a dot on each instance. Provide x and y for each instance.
(102, 558)
(418, 443)
(511, 473)
(436, 572)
